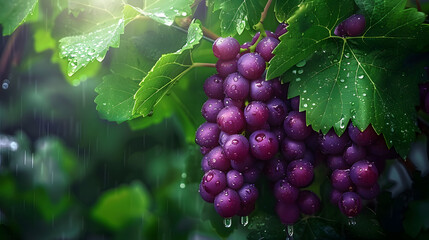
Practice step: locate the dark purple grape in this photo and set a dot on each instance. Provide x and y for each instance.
(270, 34)
(236, 86)
(251, 66)
(227, 203)
(243, 165)
(277, 112)
(350, 204)
(207, 135)
(256, 114)
(250, 129)
(379, 148)
(287, 212)
(248, 194)
(211, 108)
(365, 138)
(423, 90)
(275, 169)
(205, 164)
(340, 30)
(285, 192)
(223, 137)
(231, 120)
(217, 159)
(281, 29)
(205, 195)
(354, 25)
(336, 162)
(309, 157)
(292, 149)
(246, 209)
(312, 141)
(300, 173)
(226, 48)
(246, 46)
(331, 143)
(230, 102)
(234, 179)
(364, 174)
(236, 147)
(213, 87)
(266, 46)
(354, 153)
(295, 126)
(214, 181)
(280, 133)
(308, 202)
(294, 103)
(335, 196)
(205, 150)
(252, 174)
(226, 67)
(368, 193)
(261, 90)
(263, 144)
(340, 180)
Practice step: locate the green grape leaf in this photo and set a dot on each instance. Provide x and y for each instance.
(284, 9)
(118, 207)
(235, 16)
(14, 13)
(365, 79)
(83, 49)
(115, 98)
(166, 72)
(166, 11)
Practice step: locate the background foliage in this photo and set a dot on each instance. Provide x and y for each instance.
(67, 174)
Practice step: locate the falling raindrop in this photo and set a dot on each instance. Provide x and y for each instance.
(227, 222)
(244, 220)
(5, 84)
(289, 230)
(351, 221)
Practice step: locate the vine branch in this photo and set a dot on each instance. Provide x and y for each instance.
(265, 12)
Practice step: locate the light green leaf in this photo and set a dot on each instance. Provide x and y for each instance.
(166, 72)
(166, 11)
(284, 9)
(13, 13)
(235, 16)
(43, 40)
(83, 49)
(118, 207)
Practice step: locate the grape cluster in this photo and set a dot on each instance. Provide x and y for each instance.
(249, 131)
(351, 27)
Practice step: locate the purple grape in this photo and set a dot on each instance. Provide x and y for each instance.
(308, 202)
(248, 194)
(379, 148)
(300, 173)
(234, 179)
(260, 90)
(287, 212)
(250, 129)
(243, 165)
(231, 120)
(368, 193)
(266, 46)
(340, 30)
(292, 149)
(336, 162)
(277, 112)
(256, 114)
(285, 192)
(279, 89)
(354, 153)
(281, 29)
(205, 195)
(217, 159)
(335, 196)
(226, 67)
(207, 135)
(295, 126)
(211, 108)
(365, 138)
(331, 143)
(340, 180)
(230, 102)
(364, 174)
(236, 147)
(309, 157)
(246, 46)
(246, 209)
(275, 169)
(280, 133)
(294, 103)
(354, 25)
(350, 204)
(312, 141)
(213, 87)
(226, 48)
(205, 150)
(205, 164)
(251, 66)
(223, 137)
(252, 174)
(236, 86)
(227, 203)
(263, 144)
(214, 181)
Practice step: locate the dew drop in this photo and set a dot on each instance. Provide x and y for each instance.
(351, 221)
(301, 64)
(227, 222)
(244, 220)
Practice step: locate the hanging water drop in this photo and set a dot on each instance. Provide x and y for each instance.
(227, 222)
(5, 84)
(244, 220)
(351, 221)
(289, 230)
(301, 64)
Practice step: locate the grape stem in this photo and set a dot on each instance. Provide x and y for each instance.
(203, 65)
(265, 12)
(259, 27)
(419, 6)
(185, 22)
